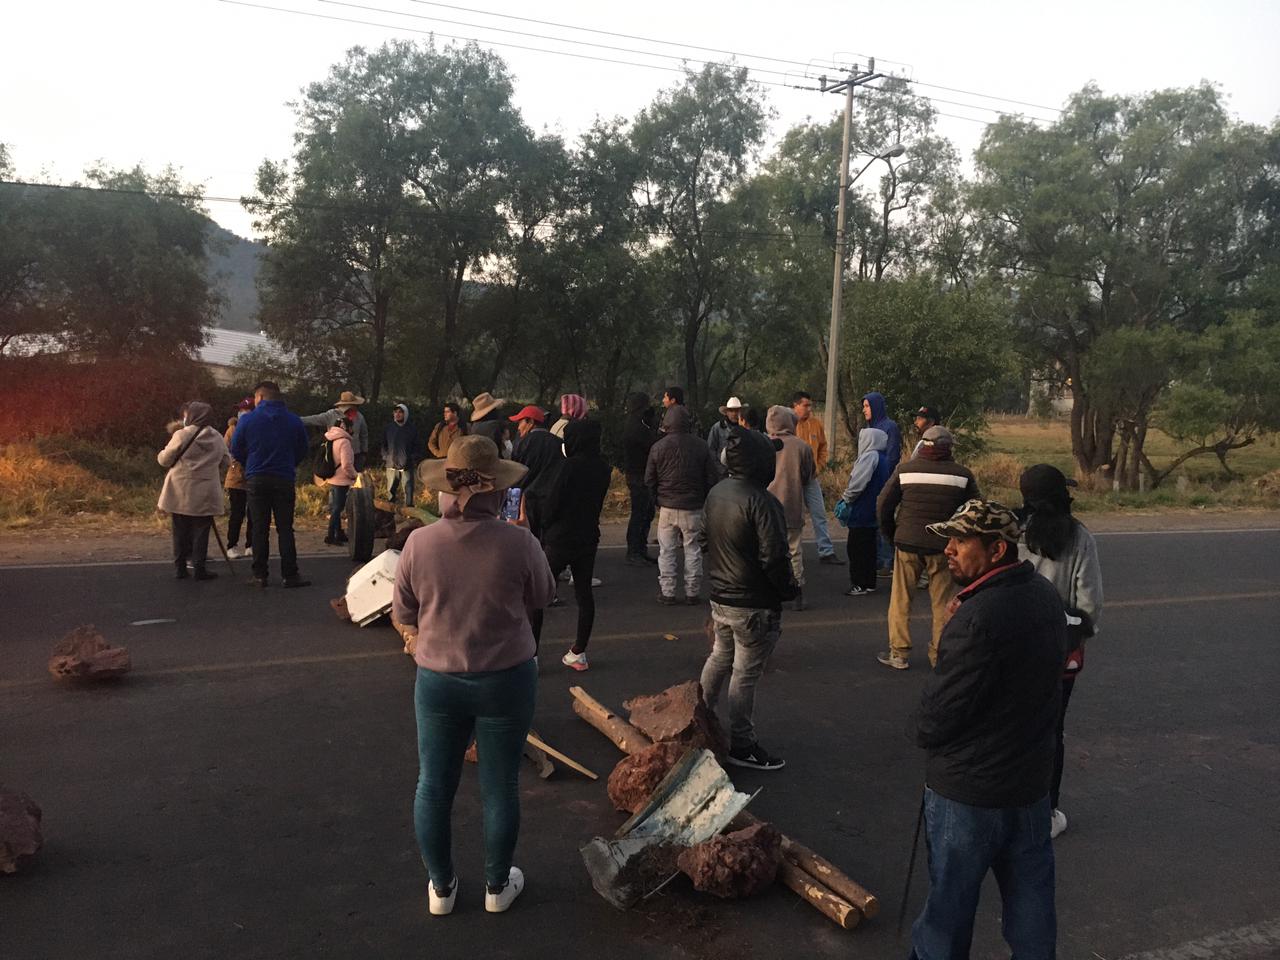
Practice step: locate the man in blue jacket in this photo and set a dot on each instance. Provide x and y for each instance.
(875, 411)
(271, 442)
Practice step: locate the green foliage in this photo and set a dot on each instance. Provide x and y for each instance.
(917, 343)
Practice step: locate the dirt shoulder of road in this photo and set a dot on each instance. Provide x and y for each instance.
(94, 539)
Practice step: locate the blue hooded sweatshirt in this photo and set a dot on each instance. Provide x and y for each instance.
(270, 441)
(880, 420)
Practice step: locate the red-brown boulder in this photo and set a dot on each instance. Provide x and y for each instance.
(678, 713)
(20, 836)
(634, 778)
(734, 865)
(83, 654)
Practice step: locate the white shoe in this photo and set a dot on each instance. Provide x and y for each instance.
(596, 581)
(498, 902)
(1057, 823)
(578, 661)
(442, 906)
(235, 553)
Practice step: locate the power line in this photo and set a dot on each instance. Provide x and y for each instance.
(986, 96)
(495, 43)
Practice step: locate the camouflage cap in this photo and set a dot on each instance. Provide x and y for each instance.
(976, 517)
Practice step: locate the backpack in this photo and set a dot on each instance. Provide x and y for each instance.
(327, 465)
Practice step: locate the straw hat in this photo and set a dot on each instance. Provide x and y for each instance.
(483, 404)
(471, 467)
(348, 399)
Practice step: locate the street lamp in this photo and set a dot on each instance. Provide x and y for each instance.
(837, 283)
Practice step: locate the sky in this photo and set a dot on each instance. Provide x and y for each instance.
(204, 84)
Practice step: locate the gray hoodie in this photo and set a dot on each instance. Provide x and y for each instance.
(795, 465)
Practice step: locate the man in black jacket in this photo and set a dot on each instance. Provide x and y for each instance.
(749, 568)
(679, 473)
(987, 719)
(637, 438)
(570, 513)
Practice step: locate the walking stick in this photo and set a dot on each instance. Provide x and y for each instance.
(218, 536)
(911, 866)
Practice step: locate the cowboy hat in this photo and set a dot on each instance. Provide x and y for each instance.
(483, 404)
(348, 399)
(472, 466)
(733, 404)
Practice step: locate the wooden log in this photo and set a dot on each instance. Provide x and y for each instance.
(817, 896)
(624, 736)
(568, 761)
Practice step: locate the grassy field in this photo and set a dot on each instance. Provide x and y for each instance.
(59, 479)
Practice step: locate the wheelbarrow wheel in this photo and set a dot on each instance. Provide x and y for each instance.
(360, 523)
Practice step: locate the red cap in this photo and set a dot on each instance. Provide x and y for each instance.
(529, 413)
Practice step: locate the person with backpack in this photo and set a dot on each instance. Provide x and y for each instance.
(192, 493)
(338, 466)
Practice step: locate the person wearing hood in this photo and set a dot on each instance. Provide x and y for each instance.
(570, 509)
(927, 489)
(638, 437)
(465, 589)
(192, 493)
(1063, 551)
(401, 452)
(679, 473)
(794, 470)
(238, 492)
(572, 407)
(271, 442)
(875, 411)
(342, 456)
(347, 406)
(750, 574)
(730, 415)
(867, 478)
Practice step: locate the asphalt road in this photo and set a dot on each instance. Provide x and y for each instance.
(247, 791)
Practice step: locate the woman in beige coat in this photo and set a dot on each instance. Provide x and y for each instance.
(192, 491)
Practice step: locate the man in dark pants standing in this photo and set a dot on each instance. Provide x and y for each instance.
(271, 442)
(987, 718)
(638, 436)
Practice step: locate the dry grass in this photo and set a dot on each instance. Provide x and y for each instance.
(52, 479)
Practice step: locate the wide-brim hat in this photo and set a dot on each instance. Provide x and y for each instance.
(348, 399)
(483, 405)
(472, 464)
(733, 404)
(976, 517)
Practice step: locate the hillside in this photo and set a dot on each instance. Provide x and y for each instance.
(233, 269)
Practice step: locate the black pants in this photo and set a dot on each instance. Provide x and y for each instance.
(190, 539)
(239, 515)
(582, 566)
(272, 497)
(1067, 687)
(641, 519)
(862, 557)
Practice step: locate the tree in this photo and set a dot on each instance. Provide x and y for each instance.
(696, 140)
(1128, 213)
(24, 249)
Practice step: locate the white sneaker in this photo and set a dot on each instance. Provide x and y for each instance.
(1057, 823)
(578, 661)
(235, 553)
(442, 906)
(498, 902)
(596, 581)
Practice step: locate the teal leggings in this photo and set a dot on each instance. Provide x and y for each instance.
(496, 706)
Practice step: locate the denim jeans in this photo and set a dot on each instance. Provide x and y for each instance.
(884, 553)
(497, 706)
(677, 527)
(817, 508)
(745, 638)
(965, 842)
(1055, 787)
(400, 479)
(641, 519)
(272, 497)
(337, 504)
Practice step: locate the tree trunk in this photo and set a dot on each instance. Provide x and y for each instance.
(693, 393)
(381, 306)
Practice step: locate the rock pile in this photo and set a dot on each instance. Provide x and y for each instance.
(20, 837)
(84, 655)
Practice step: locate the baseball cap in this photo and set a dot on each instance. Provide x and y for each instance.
(929, 413)
(937, 436)
(529, 413)
(976, 517)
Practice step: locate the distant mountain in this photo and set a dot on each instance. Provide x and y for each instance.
(233, 270)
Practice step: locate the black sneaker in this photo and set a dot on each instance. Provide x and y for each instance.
(831, 560)
(636, 560)
(260, 582)
(667, 601)
(201, 573)
(296, 582)
(756, 758)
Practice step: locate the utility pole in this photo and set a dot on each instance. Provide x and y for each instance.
(855, 79)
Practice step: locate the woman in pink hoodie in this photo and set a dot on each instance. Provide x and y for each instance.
(344, 476)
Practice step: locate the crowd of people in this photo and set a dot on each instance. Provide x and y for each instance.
(1014, 596)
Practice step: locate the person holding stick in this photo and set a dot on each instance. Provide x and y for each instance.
(192, 493)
